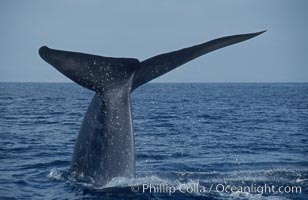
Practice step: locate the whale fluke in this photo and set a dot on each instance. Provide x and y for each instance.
(163, 63)
(94, 72)
(104, 147)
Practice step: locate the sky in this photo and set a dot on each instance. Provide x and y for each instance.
(144, 28)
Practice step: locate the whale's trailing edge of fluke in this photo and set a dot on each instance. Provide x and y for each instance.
(104, 147)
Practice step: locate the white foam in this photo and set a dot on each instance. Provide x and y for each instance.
(57, 175)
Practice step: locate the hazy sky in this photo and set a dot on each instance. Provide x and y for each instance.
(141, 29)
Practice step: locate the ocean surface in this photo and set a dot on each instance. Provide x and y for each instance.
(193, 141)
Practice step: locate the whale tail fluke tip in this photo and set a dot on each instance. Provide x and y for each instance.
(259, 33)
(262, 32)
(42, 51)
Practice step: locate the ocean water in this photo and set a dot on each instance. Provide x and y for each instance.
(193, 141)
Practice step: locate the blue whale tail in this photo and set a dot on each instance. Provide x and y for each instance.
(100, 73)
(104, 147)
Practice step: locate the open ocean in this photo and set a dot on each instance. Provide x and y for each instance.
(193, 141)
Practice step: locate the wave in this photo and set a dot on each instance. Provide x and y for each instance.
(203, 185)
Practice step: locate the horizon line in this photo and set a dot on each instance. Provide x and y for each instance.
(164, 82)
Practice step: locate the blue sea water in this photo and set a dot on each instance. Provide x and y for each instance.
(193, 141)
